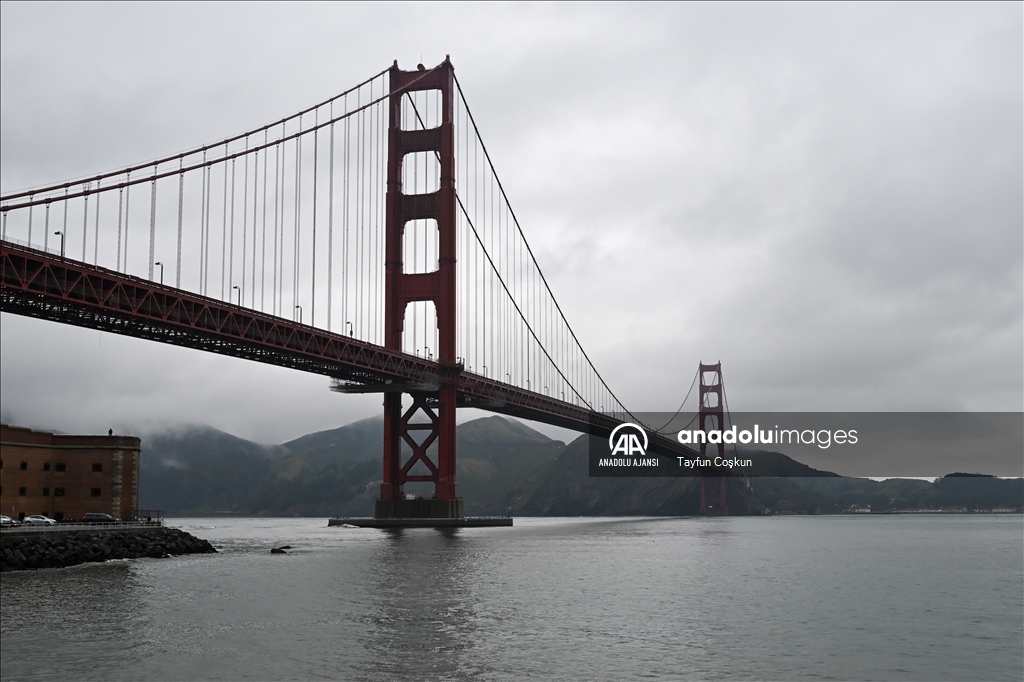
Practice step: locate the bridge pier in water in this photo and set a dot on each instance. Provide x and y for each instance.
(431, 418)
(712, 409)
(419, 436)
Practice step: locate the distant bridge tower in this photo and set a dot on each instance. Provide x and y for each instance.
(431, 418)
(711, 416)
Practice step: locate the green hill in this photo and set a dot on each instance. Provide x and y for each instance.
(200, 470)
(356, 442)
(898, 494)
(495, 451)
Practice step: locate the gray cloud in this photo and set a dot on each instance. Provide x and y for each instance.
(827, 198)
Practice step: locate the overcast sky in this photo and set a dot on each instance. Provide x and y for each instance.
(826, 198)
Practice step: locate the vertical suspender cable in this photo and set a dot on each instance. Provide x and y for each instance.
(31, 198)
(365, 223)
(181, 205)
(263, 235)
(206, 232)
(280, 255)
(359, 222)
(381, 181)
(46, 228)
(96, 229)
(224, 225)
(231, 233)
(312, 288)
(202, 224)
(298, 225)
(345, 264)
(376, 255)
(372, 147)
(330, 224)
(120, 205)
(85, 220)
(255, 223)
(370, 213)
(277, 165)
(480, 311)
(64, 238)
(152, 225)
(245, 225)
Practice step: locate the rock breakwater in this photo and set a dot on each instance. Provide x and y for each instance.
(56, 549)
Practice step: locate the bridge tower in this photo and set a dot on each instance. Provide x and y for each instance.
(431, 418)
(712, 417)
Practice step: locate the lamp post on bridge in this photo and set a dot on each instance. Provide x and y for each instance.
(299, 308)
(61, 242)
(239, 294)
(161, 271)
(349, 328)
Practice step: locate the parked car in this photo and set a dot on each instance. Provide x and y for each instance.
(38, 520)
(97, 517)
(8, 522)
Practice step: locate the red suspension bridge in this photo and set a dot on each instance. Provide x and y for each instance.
(367, 238)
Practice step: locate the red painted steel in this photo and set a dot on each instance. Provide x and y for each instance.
(712, 489)
(437, 286)
(419, 446)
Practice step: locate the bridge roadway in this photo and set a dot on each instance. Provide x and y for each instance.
(39, 284)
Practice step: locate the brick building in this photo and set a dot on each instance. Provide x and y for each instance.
(64, 477)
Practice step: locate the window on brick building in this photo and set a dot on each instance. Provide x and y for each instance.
(24, 466)
(58, 492)
(97, 467)
(22, 492)
(59, 516)
(61, 467)
(46, 466)
(96, 492)
(46, 492)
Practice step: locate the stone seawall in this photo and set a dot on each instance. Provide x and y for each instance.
(57, 549)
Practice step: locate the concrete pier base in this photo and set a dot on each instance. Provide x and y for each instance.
(418, 509)
(464, 522)
(420, 513)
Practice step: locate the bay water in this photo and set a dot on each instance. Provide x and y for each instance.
(865, 597)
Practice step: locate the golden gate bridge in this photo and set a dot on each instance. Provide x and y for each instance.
(367, 238)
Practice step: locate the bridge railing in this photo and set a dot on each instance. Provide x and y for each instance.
(82, 526)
